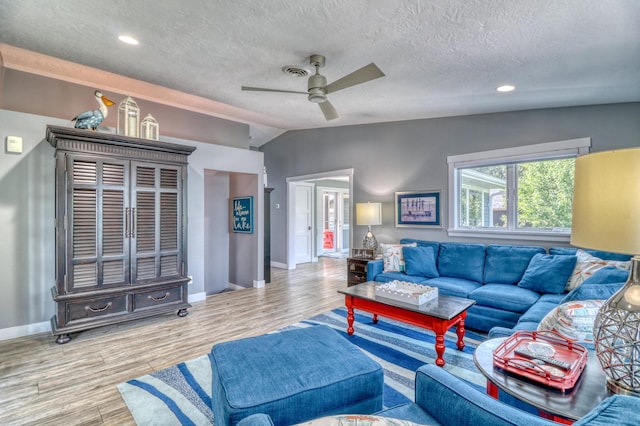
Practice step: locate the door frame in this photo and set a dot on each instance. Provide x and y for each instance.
(291, 206)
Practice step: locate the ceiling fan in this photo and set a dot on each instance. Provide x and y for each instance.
(318, 89)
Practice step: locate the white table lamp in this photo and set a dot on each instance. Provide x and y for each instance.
(369, 214)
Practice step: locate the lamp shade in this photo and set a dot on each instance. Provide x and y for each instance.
(606, 216)
(606, 201)
(368, 214)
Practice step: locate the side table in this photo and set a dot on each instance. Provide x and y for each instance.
(562, 407)
(356, 270)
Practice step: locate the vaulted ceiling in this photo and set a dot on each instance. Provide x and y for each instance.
(440, 58)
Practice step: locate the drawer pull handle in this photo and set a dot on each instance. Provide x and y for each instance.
(104, 308)
(158, 299)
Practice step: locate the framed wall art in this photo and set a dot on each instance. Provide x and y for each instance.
(418, 209)
(242, 215)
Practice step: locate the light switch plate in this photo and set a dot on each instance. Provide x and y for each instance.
(14, 145)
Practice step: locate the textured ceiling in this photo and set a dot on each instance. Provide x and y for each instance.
(441, 58)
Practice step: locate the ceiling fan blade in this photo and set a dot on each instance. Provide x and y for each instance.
(364, 74)
(328, 110)
(260, 89)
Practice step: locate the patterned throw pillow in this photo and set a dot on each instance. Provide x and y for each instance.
(392, 256)
(587, 265)
(573, 320)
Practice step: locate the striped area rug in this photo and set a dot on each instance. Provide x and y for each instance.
(181, 395)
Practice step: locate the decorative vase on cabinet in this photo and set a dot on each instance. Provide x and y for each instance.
(121, 229)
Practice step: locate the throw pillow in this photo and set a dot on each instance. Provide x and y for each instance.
(420, 261)
(548, 273)
(587, 265)
(601, 285)
(573, 320)
(392, 256)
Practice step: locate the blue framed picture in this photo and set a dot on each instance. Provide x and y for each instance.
(418, 209)
(242, 215)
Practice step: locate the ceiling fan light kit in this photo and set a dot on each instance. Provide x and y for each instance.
(317, 88)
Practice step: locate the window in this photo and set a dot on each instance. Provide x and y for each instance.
(524, 192)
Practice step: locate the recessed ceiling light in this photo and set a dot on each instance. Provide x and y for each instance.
(506, 88)
(128, 39)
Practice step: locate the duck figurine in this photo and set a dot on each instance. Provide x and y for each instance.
(92, 119)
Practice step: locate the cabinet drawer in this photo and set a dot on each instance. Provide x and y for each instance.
(98, 307)
(153, 298)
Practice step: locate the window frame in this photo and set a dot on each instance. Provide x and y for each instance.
(537, 152)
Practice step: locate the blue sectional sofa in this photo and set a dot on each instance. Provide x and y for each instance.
(443, 399)
(514, 286)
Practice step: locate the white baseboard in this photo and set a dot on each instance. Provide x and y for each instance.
(25, 330)
(197, 297)
(258, 283)
(235, 286)
(279, 265)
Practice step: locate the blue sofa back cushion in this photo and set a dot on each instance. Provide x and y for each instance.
(548, 273)
(604, 255)
(505, 264)
(601, 285)
(459, 260)
(420, 261)
(423, 243)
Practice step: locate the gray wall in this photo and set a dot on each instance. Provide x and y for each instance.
(411, 155)
(216, 218)
(34, 94)
(241, 264)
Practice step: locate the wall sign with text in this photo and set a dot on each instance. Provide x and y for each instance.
(242, 215)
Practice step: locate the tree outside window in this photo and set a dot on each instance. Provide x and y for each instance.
(542, 198)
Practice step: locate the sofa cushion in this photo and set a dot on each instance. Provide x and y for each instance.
(505, 264)
(386, 277)
(602, 285)
(573, 320)
(504, 296)
(392, 256)
(538, 311)
(548, 273)
(420, 261)
(458, 260)
(453, 286)
(587, 265)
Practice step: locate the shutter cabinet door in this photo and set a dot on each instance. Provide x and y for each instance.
(97, 201)
(157, 236)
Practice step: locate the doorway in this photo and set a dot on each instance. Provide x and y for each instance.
(329, 213)
(335, 221)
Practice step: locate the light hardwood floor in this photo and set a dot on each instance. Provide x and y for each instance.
(44, 383)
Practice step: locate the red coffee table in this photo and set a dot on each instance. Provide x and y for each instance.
(437, 315)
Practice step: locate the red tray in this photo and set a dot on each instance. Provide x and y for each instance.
(543, 342)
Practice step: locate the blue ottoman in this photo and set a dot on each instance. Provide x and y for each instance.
(293, 376)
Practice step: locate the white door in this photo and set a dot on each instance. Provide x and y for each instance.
(304, 222)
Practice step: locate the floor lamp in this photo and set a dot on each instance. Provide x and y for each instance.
(606, 216)
(369, 214)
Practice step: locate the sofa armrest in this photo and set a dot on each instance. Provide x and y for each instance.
(256, 420)
(619, 410)
(374, 268)
(450, 400)
(500, 332)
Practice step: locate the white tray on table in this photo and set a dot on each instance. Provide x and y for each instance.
(402, 291)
